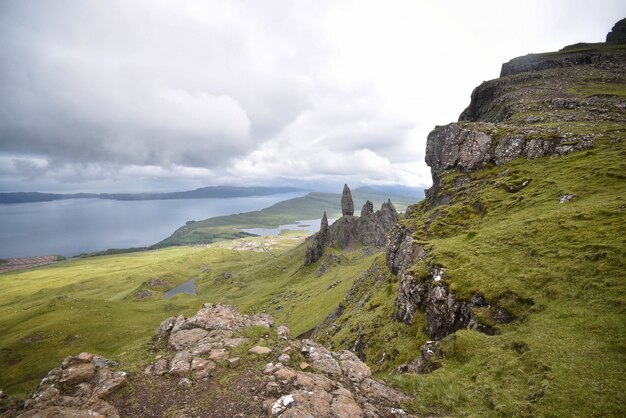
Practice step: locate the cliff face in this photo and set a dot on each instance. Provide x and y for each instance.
(501, 264)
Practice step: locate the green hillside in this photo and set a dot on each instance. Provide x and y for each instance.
(311, 206)
(112, 305)
(548, 276)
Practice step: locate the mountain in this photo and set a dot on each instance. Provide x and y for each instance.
(201, 193)
(502, 293)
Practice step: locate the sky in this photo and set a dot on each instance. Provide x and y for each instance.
(155, 95)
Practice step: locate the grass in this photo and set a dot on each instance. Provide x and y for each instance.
(558, 267)
(90, 304)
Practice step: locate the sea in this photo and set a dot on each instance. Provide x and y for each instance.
(77, 226)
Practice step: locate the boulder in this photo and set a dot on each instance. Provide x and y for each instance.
(260, 350)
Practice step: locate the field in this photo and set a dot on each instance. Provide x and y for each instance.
(112, 305)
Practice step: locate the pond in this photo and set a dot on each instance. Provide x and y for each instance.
(188, 287)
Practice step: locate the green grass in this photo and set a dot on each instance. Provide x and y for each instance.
(90, 304)
(601, 89)
(565, 354)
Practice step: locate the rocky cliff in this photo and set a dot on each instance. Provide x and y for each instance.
(493, 271)
(370, 228)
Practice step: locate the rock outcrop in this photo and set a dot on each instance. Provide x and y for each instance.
(370, 228)
(76, 389)
(535, 109)
(325, 384)
(347, 204)
(618, 33)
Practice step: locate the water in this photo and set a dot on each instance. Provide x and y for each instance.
(72, 227)
(309, 225)
(188, 287)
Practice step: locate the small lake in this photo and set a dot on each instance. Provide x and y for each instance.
(309, 225)
(75, 226)
(188, 287)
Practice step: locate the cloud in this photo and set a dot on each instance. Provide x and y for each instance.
(160, 94)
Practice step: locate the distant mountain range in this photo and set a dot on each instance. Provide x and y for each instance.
(201, 193)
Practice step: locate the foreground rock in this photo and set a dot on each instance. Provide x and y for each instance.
(271, 380)
(76, 389)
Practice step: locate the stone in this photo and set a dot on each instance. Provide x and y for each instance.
(353, 368)
(617, 35)
(78, 374)
(186, 338)
(201, 368)
(509, 148)
(347, 204)
(181, 364)
(108, 382)
(312, 381)
(218, 354)
(184, 383)
(566, 198)
(283, 331)
(279, 406)
(164, 330)
(234, 362)
(161, 366)
(260, 350)
(304, 366)
(284, 358)
(285, 374)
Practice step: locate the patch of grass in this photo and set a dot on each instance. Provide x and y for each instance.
(601, 89)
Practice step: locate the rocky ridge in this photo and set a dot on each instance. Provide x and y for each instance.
(543, 105)
(370, 228)
(298, 379)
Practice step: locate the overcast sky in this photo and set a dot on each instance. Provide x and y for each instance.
(142, 95)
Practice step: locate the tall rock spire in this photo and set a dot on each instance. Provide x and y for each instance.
(347, 205)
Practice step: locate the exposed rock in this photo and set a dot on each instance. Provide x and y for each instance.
(370, 228)
(319, 240)
(341, 385)
(184, 383)
(164, 330)
(618, 33)
(347, 204)
(181, 364)
(234, 361)
(83, 381)
(186, 338)
(259, 350)
(566, 198)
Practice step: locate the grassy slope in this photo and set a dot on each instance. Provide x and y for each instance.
(90, 304)
(564, 356)
(311, 206)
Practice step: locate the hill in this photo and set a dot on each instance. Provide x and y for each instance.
(201, 193)
(311, 206)
(503, 292)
